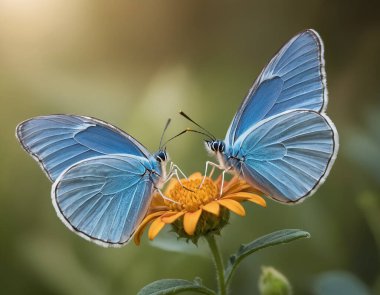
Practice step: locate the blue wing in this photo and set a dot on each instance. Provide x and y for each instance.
(288, 156)
(104, 199)
(59, 141)
(294, 79)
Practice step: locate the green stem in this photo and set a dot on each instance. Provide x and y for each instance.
(218, 263)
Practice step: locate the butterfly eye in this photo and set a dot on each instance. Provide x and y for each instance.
(221, 147)
(161, 156)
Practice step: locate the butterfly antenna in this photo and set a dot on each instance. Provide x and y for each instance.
(200, 132)
(163, 132)
(175, 136)
(209, 134)
(187, 130)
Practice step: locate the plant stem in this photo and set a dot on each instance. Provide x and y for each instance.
(218, 263)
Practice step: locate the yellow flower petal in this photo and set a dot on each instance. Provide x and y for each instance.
(252, 190)
(238, 187)
(190, 201)
(218, 181)
(212, 207)
(233, 206)
(170, 218)
(143, 225)
(258, 200)
(228, 185)
(190, 221)
(157, 201)
(155, 228)
(242, 196)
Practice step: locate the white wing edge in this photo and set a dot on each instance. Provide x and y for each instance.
(68, 224)
(330, 163)
(325, 97)
(117, 130)
(323, 71)
(29, 152)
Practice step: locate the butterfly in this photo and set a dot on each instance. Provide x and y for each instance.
(103, 178)
(280, 140)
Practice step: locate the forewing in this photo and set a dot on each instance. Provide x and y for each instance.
(59, 141)
(288, 156)
(104, 199)
(294, 79)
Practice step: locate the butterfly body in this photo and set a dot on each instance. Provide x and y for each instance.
(280, 140)
(103, 178)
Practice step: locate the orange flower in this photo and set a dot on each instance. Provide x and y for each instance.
(197, 210)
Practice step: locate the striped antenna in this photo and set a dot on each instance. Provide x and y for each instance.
(163, 133)
(209, 134)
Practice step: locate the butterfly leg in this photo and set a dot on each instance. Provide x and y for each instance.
(211, 172)
(222, 184)
(171, 167)
(214, 165)
(176, 168)
(167, 178)
(175, 173)
(165, 197)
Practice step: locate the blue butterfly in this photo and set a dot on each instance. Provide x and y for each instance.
(103, 178)
(281, 140)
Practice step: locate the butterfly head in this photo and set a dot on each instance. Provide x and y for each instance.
(161, 156)
(215, 146)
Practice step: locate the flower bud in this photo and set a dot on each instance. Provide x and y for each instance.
(272, 282)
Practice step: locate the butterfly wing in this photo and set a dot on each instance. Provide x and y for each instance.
(104, 199)
(59, 141)
(289, 155)
(294, 79)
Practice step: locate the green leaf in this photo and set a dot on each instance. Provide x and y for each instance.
(174, 286)
(272, 239)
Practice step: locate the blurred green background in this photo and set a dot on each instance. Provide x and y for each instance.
(136, 63)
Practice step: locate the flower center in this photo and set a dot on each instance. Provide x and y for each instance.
(189, 196)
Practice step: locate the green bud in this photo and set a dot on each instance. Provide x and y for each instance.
(272, 282)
